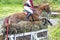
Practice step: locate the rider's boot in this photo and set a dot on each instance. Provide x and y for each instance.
(28, 15)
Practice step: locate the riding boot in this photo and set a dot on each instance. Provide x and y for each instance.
(28, 15)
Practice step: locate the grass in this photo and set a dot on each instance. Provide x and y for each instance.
(54, 32)
(6, 9)
(55, 7)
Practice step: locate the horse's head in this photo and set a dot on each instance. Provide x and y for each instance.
(40, 8)
(45, 7)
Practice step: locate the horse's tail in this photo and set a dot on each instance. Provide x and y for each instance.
(6, 21)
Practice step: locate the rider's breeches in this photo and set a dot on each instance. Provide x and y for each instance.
(28, 9)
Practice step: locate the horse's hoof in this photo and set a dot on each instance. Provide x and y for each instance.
(51, 24)
(44, 24)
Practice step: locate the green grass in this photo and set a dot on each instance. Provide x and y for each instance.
(7, 9)
(55, 7)
(54, 32)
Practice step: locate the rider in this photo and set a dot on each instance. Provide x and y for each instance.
(28, 6)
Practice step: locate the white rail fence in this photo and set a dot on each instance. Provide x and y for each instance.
(33, 35)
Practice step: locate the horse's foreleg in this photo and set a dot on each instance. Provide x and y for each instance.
(49, 22)
(45, 22)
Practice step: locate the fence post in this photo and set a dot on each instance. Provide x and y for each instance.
(34, 36)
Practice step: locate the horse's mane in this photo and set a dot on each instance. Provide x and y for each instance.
(46, 4)
(35, 6)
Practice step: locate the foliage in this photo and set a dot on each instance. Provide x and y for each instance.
(23, 1)
(11, 1)
(53, 3)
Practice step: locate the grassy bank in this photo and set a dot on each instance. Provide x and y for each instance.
(7, 9)
(54, 32)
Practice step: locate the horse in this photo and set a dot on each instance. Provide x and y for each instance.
(17, 17)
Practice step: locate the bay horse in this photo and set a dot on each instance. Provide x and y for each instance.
(17, 17)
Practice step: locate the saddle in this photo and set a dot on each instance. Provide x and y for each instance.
(26, 12)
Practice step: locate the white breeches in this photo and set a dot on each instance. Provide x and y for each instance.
(28, 9)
